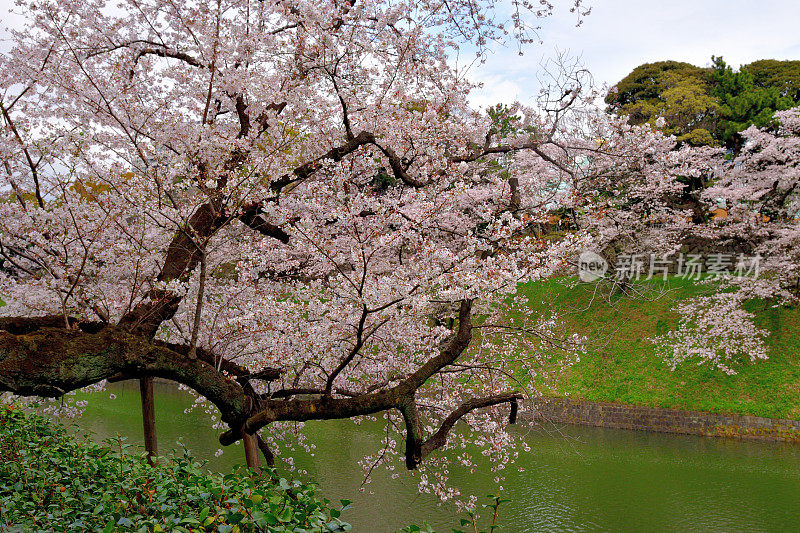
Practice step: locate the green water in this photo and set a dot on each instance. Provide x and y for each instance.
(574, 479)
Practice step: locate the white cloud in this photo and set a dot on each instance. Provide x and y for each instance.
(496, 89)
(622, 34)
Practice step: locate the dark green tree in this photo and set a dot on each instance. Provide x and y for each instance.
(677, 91)
(743, 102)
(704, 106)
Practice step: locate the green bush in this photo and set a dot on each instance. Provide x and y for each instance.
(52, 481)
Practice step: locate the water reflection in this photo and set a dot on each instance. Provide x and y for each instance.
(575, 479)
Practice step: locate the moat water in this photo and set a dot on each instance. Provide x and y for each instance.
(574, 478)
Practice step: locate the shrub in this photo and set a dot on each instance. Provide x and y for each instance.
(51, 480)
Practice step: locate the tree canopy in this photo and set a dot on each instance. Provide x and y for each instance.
(289, 208)
(710, 105)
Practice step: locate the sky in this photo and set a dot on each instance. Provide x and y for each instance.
(619, 35)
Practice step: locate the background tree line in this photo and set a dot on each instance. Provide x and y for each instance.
(707, 105)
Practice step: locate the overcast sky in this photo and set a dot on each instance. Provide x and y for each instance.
(621, 34)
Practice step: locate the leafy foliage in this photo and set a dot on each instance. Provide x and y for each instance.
(783, 75)
(664, 88)
(648, 81)
(743, 103)
(705, 106)
(51, 481)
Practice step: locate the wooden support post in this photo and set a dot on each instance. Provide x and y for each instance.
(148, 418)
(251, 452)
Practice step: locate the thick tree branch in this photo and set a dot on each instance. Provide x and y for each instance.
(182, 256)
(417, 449)
(163, 51)
(24, 325)
(244, 116)
(534, 146)
(458, 343)
(52, 361)
(326, 407)
(252, 216)
(39, 359)
(398, 169)
(241, 374)
(414, 436)
(335, 154)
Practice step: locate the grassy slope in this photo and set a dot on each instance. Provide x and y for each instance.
(628, 368)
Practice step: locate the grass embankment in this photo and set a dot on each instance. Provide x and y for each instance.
(628, 368)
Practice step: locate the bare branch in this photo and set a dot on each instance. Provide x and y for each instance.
(346, 361)
(252, 216)
(33, 166)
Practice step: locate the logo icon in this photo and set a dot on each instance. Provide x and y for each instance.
(591, 266)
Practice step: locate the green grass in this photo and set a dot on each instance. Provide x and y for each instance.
(627, 368)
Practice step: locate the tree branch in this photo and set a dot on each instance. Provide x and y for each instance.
(534, 146)
(252, 216)
(458, 343)
(335, 154)
(33, 166)
(24, 325)
(327, 408)
(397, 167)
(163, 51)
(53, 361)
(241, 374)
(439, 438)
(346, 361)
(182, 256)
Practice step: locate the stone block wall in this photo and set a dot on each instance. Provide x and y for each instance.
(622, 416)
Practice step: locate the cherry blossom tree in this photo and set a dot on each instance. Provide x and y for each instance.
(292, 210)
(759, 191)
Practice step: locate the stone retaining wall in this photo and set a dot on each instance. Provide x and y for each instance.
(614, 415)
